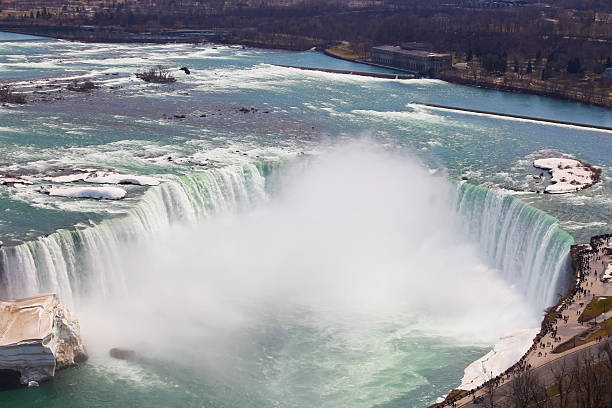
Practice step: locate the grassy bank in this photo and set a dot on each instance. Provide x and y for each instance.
(343, 51)
(596, 307)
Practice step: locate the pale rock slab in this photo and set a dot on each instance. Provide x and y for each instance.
(38, 335)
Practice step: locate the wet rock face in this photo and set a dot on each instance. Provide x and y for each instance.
(9, 379)
(39, 335)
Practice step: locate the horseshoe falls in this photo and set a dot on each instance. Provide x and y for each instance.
(316, 239)
(523, 243)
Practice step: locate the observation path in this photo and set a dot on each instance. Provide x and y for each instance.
(563, 335)
(510, 115)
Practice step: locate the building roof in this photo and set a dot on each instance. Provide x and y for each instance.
(417, 53)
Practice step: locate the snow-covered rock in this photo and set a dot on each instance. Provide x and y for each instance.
(69, 178)
(115, 178)
(504, 355)
(568, 175)
(104, 177)
(107, 193)
(11, 181)
(37, 336)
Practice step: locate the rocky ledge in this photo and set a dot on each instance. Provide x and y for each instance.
(37, 336)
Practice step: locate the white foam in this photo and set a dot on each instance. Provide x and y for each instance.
(417, 114)
(573, 225)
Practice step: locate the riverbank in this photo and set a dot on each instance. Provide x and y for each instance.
(583, 94)
(551, 89)
(509, 82)
(563, 331)
(111, 34)
(508, 115)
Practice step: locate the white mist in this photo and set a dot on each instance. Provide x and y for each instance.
(361, 244)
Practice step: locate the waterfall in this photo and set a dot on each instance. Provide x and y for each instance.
(524, 243)
(77, 262)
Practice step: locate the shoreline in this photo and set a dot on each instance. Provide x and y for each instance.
(520, 90)
(454, 79)
(580, 254)
(510, 115)
(112, 35)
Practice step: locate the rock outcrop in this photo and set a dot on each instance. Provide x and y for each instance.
(37, 336)
(568, 175)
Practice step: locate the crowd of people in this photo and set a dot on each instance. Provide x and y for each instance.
(583, 256)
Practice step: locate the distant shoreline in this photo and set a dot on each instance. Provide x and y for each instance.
(453, 77)
(509, 115)
(195, 36)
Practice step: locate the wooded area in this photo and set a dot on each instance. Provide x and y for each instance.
(557, 48)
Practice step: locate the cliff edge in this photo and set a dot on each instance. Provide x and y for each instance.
(37, 336)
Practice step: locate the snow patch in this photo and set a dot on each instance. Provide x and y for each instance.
(99, 193)
(114, 178)
(104, 177)
(504, 355)
(11, 181)
(568, 175)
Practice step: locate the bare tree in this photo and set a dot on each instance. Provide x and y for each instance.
(605, 349)
(159, 75)
(520, 389)
(590, 381)
(538, 392)
(564, 380)
(491, 393)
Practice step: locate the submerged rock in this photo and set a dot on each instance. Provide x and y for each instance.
(38, 336)
(122, 354)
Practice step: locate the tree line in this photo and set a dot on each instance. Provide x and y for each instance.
(571, 36)
(580, 380)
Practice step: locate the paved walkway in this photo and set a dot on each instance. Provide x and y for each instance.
(566, 326)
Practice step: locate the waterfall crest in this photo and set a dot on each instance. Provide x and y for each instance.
(524, 243)
(73, 263)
